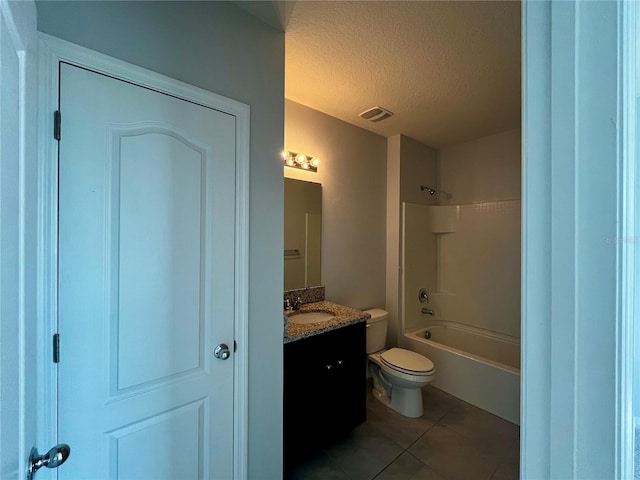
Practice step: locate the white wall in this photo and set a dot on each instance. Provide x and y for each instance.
(410, 164)
(221, 48)
(418, 166)
(352, 174)
(394, 225)
(484, 170)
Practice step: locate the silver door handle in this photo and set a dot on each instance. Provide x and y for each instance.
(52, 459)
(222, 352)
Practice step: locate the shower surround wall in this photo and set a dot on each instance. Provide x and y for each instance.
(468, 258)
(478, 176)
(481, 263)
(466, 252)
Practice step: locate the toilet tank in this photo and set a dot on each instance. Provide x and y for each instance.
(377, 329)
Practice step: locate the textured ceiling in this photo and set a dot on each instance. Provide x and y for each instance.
(449, 71)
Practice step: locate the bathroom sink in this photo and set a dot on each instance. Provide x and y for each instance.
(311, 317)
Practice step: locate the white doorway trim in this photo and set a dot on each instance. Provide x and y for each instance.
(17, 285)
(629, 254)
(579, 240)
(52, 52)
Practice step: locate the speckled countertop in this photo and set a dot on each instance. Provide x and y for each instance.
(343, 316)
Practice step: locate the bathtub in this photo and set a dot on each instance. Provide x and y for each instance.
(476, 366)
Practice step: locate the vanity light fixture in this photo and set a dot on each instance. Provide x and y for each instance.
(300, 160)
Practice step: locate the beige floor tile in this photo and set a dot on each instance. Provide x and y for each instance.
(457, 456)
(407, 467)
(364, 453)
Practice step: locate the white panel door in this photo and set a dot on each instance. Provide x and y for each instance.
(146, 282)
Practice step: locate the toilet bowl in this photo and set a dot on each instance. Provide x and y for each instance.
(398, 374)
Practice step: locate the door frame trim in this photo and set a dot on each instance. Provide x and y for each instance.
(569, 427)
(52, 51)
(16, 343)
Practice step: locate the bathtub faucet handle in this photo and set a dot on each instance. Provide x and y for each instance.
(427, 311)
(423, 295)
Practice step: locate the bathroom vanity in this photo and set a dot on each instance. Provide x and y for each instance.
(324, 379)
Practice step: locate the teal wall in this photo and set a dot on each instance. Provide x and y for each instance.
(219, 47)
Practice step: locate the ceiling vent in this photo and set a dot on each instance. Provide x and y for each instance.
(376, 114)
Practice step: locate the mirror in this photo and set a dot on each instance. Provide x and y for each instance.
(302, 233)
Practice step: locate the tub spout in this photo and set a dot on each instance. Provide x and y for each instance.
(427, 311)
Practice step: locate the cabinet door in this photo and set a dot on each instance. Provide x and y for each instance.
(349, 379)
(324, 389)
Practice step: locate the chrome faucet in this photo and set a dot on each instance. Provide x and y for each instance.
(291, 307)
(427, 311)
(297, 303)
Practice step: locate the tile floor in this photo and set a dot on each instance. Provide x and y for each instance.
(453, 440)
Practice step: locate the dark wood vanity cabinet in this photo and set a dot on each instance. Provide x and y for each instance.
(324, 390)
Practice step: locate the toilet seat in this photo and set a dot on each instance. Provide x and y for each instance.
(407, 362)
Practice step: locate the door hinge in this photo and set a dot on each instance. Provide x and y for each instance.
(235, 346)
(56, 348)
(57, 120)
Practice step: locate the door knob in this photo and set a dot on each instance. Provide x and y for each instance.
(52, 459)
(221, 352)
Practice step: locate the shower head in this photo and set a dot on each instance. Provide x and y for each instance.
(430, 190)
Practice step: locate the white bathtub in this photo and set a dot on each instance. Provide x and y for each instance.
(476, 366)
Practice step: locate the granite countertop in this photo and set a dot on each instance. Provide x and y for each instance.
(343, 316)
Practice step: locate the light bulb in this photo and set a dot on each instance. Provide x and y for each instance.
(285, 154)
(315, 161)
(301, 159)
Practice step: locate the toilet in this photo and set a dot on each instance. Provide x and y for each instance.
(398, 374)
